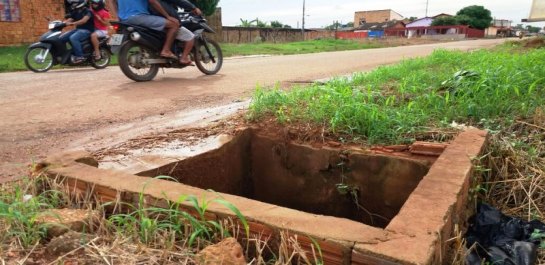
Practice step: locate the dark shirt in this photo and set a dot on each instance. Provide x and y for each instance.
(81, 13)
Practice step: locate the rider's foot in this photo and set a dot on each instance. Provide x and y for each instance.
(97, 56)
(168, 55)
(77, 59)
(186, 62)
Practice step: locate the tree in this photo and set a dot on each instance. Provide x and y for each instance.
(208, 7)
(445, 21)
(260, 23)
(475, 16)
(533, 29)
(246, 23)
(411, 19)
(277, 24)
(334, 26)
(519, 27)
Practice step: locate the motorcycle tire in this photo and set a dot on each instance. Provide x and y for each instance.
(129, 60)
(30, 58)
(105, 58)
(207, 64)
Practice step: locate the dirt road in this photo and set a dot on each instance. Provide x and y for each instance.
(45, 113)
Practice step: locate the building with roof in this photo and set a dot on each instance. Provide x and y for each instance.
(375, 16)
(500, 27)
(378, 30)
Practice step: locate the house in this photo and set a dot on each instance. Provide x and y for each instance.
(423, 26)
(500, 27)
(378, 30)
(426, 21)
(375, 16)
(25, 21)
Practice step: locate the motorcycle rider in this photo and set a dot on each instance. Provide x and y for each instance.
(82, 18)
(136, 12)
(101, 17)
(184, 35)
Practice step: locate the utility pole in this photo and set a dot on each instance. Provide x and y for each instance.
(303, 22)
(427, 4)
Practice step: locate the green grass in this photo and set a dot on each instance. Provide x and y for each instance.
(20, 209)
(396, 104)
(149, 225)
(11, 58)
(311, 46)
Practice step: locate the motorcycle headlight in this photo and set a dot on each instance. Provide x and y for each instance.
(51, 26)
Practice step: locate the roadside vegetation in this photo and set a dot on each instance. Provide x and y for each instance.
(500, 90)
(417, 98)
(123, 233)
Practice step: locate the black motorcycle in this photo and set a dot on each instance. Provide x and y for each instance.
(139, 49)
(50, 51)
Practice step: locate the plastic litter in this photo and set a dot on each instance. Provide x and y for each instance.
(502, 240)
(27, 197)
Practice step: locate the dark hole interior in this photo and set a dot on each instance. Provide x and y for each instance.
(362, 187)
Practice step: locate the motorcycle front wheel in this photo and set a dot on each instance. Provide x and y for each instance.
(104, 61)
(208, 56)
(38, 59)
(132, 58)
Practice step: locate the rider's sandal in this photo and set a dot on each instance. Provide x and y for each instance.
(169, 56)
(190, 63)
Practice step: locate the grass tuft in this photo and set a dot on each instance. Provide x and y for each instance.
(408, 101)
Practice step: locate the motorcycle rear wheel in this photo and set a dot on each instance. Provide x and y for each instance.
(131, 58)
(37, 61)
(105, 58)
(207, 64)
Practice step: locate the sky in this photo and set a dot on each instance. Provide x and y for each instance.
(320, 13)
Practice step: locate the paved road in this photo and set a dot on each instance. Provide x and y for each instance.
(43, 113)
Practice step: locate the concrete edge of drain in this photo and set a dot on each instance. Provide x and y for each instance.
(421, 246)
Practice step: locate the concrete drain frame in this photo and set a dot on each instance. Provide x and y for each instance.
(419, 199)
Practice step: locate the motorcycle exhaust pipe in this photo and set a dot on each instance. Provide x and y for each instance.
(135, 36)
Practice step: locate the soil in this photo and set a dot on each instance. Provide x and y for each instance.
(91, 109)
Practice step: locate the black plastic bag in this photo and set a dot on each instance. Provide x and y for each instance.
(502, 240)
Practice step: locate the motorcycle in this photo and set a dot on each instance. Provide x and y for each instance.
(50, 51)
(139, 49)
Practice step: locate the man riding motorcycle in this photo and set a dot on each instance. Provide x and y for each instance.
(82, 18)
(136, 12)
(184, 35)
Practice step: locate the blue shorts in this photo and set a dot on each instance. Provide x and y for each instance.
(148, 21)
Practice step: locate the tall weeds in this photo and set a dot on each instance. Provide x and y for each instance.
(418, 97)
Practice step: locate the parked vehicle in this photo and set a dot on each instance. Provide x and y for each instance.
(50, 51)
(139, 49)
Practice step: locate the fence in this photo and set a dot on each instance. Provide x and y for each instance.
(436, 31)
(350, 35)
(274, 35)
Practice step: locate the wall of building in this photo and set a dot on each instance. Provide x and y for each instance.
(33, 22)
(249, 35)
(491, 31)
(376, 16)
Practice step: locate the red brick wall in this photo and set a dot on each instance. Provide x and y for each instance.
(33, 23)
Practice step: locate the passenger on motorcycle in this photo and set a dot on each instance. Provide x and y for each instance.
(101, 17)
(82, 18)
(184, 35)
(136, 12)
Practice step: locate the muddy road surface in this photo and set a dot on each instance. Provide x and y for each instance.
(54, 111)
